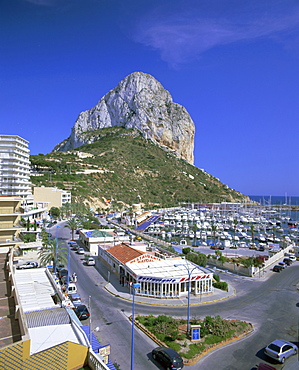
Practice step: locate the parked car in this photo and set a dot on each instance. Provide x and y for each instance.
(287, 261)
(76, 299)
(62, 274)
(277, 268)
(60, 267)
(168, 357)
(80, 250)
(263, 366)
(82, 312)
(27, 265)
(280, 350)
(90, 261)
(293, 258)
(284, 265)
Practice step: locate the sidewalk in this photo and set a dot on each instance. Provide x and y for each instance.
(217, 296)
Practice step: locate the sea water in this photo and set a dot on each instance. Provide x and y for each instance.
(268, 200)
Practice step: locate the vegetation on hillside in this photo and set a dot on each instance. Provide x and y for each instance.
(125, 167)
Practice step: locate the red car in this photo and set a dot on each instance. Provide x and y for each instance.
(263, 366)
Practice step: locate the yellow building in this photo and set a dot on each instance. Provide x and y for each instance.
(10, 214)
(53, 196)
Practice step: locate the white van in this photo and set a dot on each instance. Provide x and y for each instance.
(72, 288)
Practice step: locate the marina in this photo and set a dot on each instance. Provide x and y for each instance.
(228, 225)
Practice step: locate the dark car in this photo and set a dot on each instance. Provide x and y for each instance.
(168, 357)
(277, 268)
(60, 267)
(76, 299)
(287, 261)
(62, 274)
(282, 264)
(82, 312)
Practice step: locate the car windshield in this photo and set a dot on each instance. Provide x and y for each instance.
(82, 309)
(274, 347)
(177, 360)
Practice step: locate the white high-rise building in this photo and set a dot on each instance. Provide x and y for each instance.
(15, 167)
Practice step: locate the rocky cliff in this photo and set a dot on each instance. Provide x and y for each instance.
(140, 102)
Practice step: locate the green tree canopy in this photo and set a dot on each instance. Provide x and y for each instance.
(72, 224)
(53, 254)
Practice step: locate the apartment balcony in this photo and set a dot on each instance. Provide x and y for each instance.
(5, 242)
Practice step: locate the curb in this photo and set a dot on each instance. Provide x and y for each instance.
(171, 305)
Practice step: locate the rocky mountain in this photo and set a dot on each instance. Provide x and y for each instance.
(138, 102)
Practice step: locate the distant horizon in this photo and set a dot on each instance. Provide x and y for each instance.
(270, 195)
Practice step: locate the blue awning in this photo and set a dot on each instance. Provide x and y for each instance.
(95, 344)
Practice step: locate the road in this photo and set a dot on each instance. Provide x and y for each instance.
(271, 306)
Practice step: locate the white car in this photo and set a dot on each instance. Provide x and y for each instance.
(80, 250)
(27, 265)
(292, 257)
(280, 350)
(90, 261)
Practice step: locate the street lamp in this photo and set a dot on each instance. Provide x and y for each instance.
(134, 286)
(56, 250)
(68, 267)
(187, 267)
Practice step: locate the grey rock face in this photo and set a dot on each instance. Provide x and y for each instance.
(140, 102)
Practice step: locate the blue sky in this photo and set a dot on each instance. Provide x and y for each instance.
(232, 63)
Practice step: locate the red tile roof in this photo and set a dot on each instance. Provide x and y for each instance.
(124, 253)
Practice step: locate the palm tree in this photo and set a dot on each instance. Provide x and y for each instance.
(53, 254)
(235, 229)
(252, 230)
(214, 229)
(72, 224)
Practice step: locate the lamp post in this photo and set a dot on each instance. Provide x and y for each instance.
(56, 250)
(187, 267)
(134, 286)
(68, 267)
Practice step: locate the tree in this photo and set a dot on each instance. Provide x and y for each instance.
(45, 238)
(54, 212)
(66, 210)
(252, 230)
(186, 250)
(53, 254)
(235, 229)
(214, 229)
(29, 237)
(72, 224)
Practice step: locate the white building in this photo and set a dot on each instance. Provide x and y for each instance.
(159, 275)
(15, 167)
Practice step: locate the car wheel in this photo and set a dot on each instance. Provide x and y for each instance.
(154, 356)
(283, 360)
